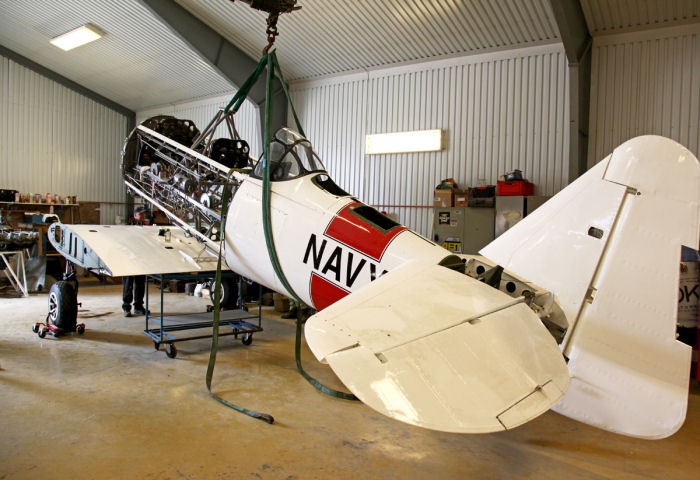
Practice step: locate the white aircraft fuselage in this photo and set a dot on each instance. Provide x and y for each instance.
(327, 245)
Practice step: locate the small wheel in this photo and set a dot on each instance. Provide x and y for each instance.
(35, 328)
(170, 350)
(247, 339)
(42, 332)
(244, 308)
(80, 329)
(156, 345)
(56, 333)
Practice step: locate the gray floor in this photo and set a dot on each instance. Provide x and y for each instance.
(108, 405)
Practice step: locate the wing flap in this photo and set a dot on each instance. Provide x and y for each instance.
(440, 360)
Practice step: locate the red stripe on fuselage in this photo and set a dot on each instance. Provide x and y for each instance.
(358, 234)
(324, 293)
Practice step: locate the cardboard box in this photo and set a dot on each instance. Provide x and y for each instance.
(461, 198)
(281, 302)
(444, 198)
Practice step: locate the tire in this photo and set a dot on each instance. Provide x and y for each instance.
(247, 339)
(80, 329)
(63, 306)
(229, 293)
(170, 350)
(42, 332)
(35, 328)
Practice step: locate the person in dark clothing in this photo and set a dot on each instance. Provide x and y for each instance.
(133, 290)
(134, 287)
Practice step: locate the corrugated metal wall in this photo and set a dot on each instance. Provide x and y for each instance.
(54, 140)
(500, 111)
(645, 83)
(201, 111)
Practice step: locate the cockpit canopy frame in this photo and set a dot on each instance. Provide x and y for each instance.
(291, 156)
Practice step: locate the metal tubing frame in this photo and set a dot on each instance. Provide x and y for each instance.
(160, 336)
(18, 279)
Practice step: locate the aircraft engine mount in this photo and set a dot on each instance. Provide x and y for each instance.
(183, 171)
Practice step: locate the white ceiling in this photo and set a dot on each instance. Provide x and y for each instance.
(138, 63)
(330, 36)
(141, 62)
(616, 16)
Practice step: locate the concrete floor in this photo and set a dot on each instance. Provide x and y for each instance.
(107, 405)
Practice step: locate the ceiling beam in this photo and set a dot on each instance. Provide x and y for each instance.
(68, 83)
(577, 40)
(229, 60)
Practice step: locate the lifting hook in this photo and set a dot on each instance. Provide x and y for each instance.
(274, 8)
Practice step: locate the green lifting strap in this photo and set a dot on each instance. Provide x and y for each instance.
(269, 60)
(286, 93)
(242, 92)
(273, 65)
(215, 324)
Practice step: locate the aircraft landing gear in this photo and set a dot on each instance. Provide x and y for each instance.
(63, 308)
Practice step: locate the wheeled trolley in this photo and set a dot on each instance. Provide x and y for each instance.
(161, 328)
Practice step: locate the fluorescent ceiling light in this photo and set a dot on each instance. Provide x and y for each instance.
(401, 142)
(79, 36)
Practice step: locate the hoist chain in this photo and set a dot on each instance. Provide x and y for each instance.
(271, 31)
(274, 8)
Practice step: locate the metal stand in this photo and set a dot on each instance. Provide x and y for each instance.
(18, 279)
(160, 327)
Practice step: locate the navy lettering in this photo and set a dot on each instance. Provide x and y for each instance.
(373, 272)
(351, 277)
(317, 254)
(333, 263)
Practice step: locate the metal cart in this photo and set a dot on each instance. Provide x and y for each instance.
(160, 327)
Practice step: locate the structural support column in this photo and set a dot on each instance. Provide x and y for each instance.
(228, 59)
(577, 40)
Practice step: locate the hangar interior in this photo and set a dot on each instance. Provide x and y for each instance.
(548, 88)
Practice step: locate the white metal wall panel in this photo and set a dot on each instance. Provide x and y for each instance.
(606, 16)
(500, 112)
(54, 140)
(330, 36)
(334, 119)
(201, 111)
(645, 83)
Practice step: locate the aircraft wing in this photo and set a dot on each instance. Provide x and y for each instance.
(120, 250)
(435, 348)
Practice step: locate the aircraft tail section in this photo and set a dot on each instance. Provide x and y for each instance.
(609, 247)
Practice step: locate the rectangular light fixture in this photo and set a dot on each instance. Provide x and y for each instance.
(79, 36)
(402, 142)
